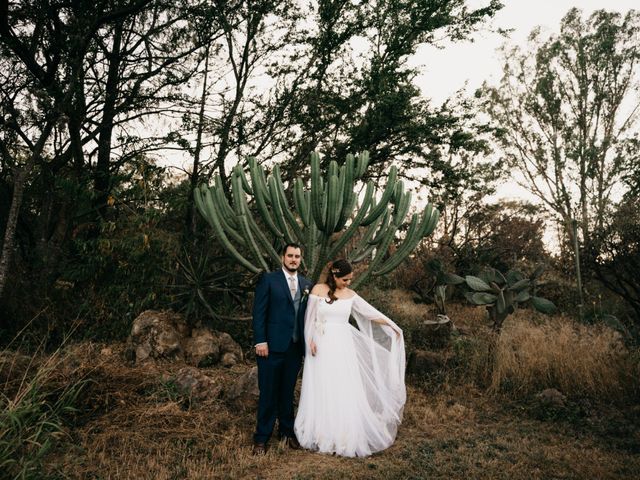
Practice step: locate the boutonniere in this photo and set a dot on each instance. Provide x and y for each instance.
(305, 293)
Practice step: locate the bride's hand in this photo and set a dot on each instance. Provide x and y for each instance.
(313, 347)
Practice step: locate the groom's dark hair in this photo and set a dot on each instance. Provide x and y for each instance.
(292, 245)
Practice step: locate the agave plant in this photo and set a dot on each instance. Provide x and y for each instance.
(502, 294)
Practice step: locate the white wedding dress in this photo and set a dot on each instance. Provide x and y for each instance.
(353, 390)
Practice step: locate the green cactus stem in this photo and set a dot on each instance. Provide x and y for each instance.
(325, 216)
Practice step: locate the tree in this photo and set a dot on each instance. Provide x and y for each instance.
(569, 114)
(615, 256)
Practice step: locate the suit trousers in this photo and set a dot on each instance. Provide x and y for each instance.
(277, 375)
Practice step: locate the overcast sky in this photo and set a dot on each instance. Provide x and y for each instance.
(476, 61)
(445, 71)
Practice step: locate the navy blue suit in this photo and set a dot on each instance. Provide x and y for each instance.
(274, 317)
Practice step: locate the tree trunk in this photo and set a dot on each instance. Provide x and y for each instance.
(191, 214)
(102, 179)
(19, 179)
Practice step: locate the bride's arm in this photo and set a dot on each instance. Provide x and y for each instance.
(310, 323)
(365, 310)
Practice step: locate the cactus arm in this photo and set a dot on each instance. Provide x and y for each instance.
(284, 204)
(264, 242)
(355, 224)
(401, 207)
(214, 221)
(384, 200)
(430, 226)
(381, 251)
(362, 162)
(348, 196)
(277, 210)
(322, 257)
(361, 255)
(245, 184)
(242, 211)
(411, 240)
(214, 208)
(333, 191)
(300, 202)
(220, 200)
(316, 191)
(384, 226)
(261, 195)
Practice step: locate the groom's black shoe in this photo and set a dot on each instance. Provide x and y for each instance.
(259, 448)
(292, 442)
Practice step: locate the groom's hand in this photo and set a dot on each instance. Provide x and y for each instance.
(262, 350)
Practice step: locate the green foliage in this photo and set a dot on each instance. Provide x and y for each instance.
(33, 418)
(502, 294)
(320, 212)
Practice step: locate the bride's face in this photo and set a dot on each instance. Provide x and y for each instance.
(344, 282)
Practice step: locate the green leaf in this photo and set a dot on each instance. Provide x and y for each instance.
(477, 284)
(452, 279)
(543, 305)
(482, 298)
(501, 304)
(523, 296)
(520, 284)
(537, 272)
(514, 276)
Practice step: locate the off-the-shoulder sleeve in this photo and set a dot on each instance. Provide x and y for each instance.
(310, 319)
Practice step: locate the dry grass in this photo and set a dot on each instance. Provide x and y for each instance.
(560, 353)
(135, 426)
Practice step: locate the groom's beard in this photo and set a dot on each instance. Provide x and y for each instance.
(291, 269)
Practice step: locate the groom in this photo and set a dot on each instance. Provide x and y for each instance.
(278, 332)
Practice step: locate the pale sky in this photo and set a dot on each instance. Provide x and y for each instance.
(444, 71)
(466, 65)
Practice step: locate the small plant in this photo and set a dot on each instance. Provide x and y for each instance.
(502, 294)
(33, 416)
(439, 280)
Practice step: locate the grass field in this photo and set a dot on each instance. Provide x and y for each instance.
(131, 423)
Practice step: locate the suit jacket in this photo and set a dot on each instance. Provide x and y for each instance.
(274, 312)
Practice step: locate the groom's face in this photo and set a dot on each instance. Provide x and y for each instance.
(291, 259)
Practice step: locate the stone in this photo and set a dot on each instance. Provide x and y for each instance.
(551, 397)
(244, 392)
(197, 385)
(202, 348)
(206, 347)
(157, 334)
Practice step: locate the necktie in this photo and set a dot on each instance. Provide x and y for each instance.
(292, 286)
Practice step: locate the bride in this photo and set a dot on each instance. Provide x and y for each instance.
(353, 390)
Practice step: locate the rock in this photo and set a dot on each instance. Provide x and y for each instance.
(551, 398)
(432, 333)
(106, 352)
(206, 347)
(197, 385)
(244, 392)
(157, 335)
(422, 362)
(202, 348)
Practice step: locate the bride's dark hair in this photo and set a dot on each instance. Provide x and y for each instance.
(337, 269)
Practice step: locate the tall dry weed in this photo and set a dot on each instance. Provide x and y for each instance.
(574, 358)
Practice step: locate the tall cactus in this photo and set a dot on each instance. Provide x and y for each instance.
(330, 205)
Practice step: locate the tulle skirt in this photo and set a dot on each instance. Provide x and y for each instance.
(345, 406)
